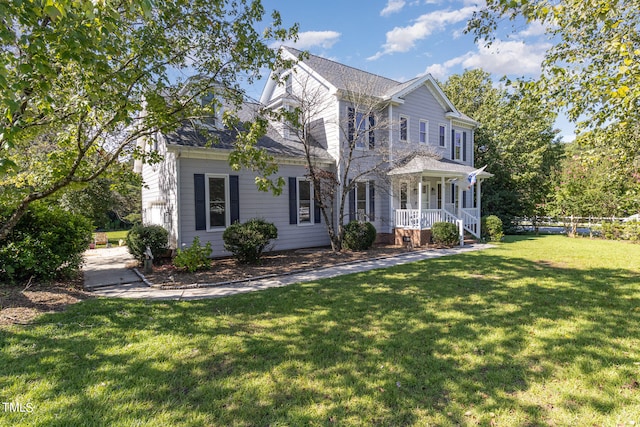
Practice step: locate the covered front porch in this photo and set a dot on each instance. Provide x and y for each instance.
(427, 190)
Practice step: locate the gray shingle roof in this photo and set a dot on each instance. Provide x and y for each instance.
(429, 163)
(205, 135)
(272, 142)
(345, 77)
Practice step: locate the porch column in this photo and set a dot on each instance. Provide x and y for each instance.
(420, 204)
(444, 195)
(479, 205)
(459, 213)
(392, 213)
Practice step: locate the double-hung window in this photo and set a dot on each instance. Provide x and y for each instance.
(442, 134)
(305, 201)
(457, 150)
(404, 128)
(360, 129)
(217, 193)
(362, 200)
(423, 132)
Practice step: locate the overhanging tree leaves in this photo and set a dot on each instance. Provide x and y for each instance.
(82, 80)
(515, 140)
(593, 67)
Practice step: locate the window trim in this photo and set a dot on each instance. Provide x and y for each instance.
(426, 131)
(227, 201)
(406, 118)
(311, 202)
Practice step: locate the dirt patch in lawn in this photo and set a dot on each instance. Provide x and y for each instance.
(21, 304)
(273, 263)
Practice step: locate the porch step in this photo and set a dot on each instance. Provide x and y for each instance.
(469, 239)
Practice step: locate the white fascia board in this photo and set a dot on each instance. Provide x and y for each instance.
(462, 120)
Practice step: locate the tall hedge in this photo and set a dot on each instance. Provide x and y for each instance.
(47, 243)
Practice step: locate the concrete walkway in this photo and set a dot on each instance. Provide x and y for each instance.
(136, 288)
(107, 267)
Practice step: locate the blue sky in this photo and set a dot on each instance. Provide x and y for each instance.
(402, 39)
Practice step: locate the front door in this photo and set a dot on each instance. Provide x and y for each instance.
(426, 199)
(404, 195)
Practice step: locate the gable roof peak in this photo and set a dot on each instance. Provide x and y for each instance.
(345, 77)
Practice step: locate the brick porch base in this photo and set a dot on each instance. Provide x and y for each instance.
(417, 238)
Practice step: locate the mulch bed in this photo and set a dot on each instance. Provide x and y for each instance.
(224, 270)
(20, 304)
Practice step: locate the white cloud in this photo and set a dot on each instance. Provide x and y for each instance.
(510, 57)
(402, 39)
(324, 39)
(500, 58)
(393, 6)
(441, 71)
(533, 29)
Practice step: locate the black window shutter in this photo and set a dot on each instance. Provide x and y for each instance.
(464, 146)
(234, 198)
(372, 133)
(372, 201)
(352, 203)
(316, 211)
(200, 200)
(293, 200)
(453, 144)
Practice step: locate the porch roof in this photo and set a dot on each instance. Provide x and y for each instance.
(426, 164)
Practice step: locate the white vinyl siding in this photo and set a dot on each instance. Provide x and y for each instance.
(253, 204)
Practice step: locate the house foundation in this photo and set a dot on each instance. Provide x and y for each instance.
(417, 238)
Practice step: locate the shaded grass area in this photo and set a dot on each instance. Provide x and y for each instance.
(538, 331)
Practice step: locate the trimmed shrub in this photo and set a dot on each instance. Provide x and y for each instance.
(47, 243)
(445, 234)
(492, 228)
(153, 236)
(247, 241)
(194, 258)
(358, 236)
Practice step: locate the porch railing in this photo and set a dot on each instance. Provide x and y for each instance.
(471, 220)
(416, 219)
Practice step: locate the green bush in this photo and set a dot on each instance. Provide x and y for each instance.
(153, 236)
(194, 258)
(247, 241)
(358, 236)
(445, 234)
(47, 243)
(492, 228)
(620, 231)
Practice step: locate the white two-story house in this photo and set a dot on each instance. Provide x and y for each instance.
(403, 148)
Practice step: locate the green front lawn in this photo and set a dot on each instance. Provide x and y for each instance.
(538, 331)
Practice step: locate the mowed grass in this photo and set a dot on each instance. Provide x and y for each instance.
(536, 332)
